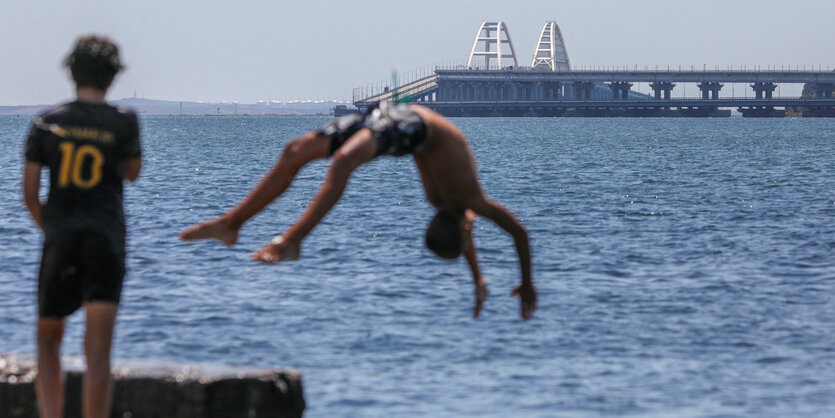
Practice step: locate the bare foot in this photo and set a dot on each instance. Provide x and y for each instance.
(219, 229)
(277, 250)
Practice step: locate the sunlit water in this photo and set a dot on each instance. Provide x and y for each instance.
(685, 267)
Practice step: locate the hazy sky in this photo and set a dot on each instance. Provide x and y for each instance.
(250, 50)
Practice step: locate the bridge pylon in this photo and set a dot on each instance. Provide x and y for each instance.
(492, 42)
(550, 52)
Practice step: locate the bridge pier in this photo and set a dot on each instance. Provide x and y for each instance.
(710, 90)
(450, 92)
(824, 90)
(582, 90)
(620, 90)
(764, 89)
(483, 92)
(504, 91)
(530, 91)
(553, 90)
(664, 87)
(539, 91)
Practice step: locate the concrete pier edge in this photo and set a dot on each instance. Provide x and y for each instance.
(151, 389)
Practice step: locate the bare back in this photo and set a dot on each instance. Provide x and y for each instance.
(446, 165)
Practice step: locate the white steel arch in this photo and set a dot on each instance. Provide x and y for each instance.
(550, 50)
(490, 34)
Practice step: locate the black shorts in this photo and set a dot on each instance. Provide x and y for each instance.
(79, 266)
(398, 129)
(341, 129)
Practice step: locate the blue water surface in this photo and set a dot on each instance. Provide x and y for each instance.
(684, 267)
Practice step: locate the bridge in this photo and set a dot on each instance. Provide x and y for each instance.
(493, 84)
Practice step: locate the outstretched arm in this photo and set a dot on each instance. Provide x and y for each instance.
(480, 285)
(359, 149)
(505, 220)
(31, 183)
(296, 154)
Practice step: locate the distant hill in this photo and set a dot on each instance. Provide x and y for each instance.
(165, 107)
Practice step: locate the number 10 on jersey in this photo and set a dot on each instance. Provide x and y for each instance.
(72, 163)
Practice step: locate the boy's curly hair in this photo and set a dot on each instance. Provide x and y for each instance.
(94, 62)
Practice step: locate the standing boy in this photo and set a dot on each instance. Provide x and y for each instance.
(90, 148)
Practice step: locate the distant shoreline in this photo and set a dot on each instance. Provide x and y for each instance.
(152, 107)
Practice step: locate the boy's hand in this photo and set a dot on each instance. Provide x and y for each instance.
(527, 299)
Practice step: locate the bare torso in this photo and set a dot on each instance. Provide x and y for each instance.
(446, 165)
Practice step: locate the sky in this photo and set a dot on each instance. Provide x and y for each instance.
(252, 50)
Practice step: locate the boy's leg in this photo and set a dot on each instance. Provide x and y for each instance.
(49, 384)
(98, 337)
(359, 149)
(296, 154)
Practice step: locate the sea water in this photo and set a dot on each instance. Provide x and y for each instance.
(684, 267)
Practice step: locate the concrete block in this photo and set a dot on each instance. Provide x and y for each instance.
(144, 389)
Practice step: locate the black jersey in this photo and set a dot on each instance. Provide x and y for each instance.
(85, 146)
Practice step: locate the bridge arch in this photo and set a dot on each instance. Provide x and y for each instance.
(550, 51)
(489, 43)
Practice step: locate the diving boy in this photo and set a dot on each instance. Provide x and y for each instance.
(446, 166)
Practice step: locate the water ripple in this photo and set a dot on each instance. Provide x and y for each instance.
(685, 267)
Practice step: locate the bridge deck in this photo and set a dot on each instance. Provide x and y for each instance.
(515, 88)
(735, 102)
(684, 76)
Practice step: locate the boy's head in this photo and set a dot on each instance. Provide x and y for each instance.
(444, 237)
(94, 62)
